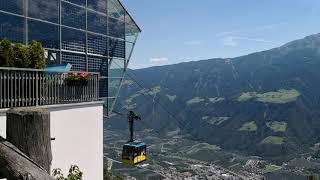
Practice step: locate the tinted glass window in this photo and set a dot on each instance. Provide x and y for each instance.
(98, 64)
(116, 48)
(103, 89)
(97, 44)
(73, 40)
(98, 5)
(73, 16)
(114, 85)
(79, 2)
(116, 68)
(116, 28)
(78, 61)
(45, 33)
(116, 10)
(97, 22)
(46, 10)
(12, 27)
(14, 6)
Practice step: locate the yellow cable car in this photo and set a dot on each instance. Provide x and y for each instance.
(133, 152)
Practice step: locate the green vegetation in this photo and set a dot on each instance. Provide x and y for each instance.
(247, 96)
(20, 56)
(273, 140)
(216, 99)
(281, 96)
(74, 174)
(313, 177)
(195, 100)
(271, 168)
(277, 126)
(202, 146)
(108, 175)
(217, 120)
(250, 126)
(171, 98)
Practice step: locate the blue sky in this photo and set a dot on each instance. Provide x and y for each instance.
(176, 31)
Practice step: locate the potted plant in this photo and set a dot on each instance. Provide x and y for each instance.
(78, 79)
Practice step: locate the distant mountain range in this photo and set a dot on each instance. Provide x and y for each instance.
(263, 104)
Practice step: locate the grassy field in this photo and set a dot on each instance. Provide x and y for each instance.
(195, 100)
(277, 126)
(273, 140)
(250, 126)
(271, 168)
(281, 96)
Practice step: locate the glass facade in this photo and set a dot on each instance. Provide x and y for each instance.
(92, 35)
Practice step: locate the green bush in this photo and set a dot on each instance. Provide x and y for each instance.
(20, 56)
(6, 53)
(74, 174)
(36, 55)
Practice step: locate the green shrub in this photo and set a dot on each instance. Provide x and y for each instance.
(6, 53)
(36, 55)
(74, 174)
(20, 56)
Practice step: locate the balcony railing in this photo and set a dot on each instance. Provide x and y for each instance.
(33, 87)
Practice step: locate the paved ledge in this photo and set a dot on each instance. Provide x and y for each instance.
(61, 107)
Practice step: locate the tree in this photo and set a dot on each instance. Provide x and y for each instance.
(74, 174)
(36, 55)
(20, 57)
(6, 53)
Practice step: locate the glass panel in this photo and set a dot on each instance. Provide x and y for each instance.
(98, 5)
(97, 23)
(116, 68)
(97, 44)
(116, 10)
(111, 101)
(103, 87)
(116, 28)
(132, 32)
(78, 61)
(13, 6)
(12, 27)
(98, 64)
(45, 33)
(52, 57)
(46, 10)
(129, 49)
(73, 40)
(73, 16)
(114, 85)
(116, 48)
(79, 2)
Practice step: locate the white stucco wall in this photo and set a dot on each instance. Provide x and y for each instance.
(78, 133)
(3, 124)
(79, 140)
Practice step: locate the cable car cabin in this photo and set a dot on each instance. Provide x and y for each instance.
(134, 153)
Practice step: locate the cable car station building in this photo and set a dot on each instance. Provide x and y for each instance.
(91, 35)
(95, 36)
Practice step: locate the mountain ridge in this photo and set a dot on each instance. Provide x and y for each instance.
(263, 104)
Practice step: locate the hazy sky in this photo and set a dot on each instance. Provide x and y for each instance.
(174, 31)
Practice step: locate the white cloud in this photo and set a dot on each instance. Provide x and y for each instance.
(192, 43)
(233, 40)
(226, 33)
(158, 60)
(229, 41)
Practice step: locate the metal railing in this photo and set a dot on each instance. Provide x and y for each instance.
(20, 87)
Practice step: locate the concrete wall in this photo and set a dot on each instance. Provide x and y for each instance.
(3, 122)
(78, 133)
